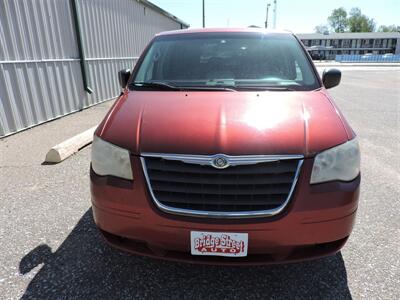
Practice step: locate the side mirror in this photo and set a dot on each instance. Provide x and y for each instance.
(123, 77)
(331, 78)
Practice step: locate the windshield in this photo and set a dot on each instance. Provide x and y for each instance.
(236, 60)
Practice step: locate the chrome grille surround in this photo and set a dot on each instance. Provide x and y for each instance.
(208, 160)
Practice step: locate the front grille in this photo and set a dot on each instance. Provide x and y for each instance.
(242, 188)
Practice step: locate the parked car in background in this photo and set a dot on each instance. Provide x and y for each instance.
(225, 148)
(316, 56)
(367, 55)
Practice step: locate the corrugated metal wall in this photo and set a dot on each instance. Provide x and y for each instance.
(40, 75)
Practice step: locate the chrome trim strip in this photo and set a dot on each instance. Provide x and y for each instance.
(221, 214)
(233, 160)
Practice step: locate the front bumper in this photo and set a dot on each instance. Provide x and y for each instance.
(317, 221)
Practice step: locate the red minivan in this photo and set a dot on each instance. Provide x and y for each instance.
(225, 148)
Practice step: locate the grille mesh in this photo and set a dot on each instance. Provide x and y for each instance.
(254, 187)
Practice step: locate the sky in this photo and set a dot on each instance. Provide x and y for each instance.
(299, 16)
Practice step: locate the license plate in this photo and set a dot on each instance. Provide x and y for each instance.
(219, 243)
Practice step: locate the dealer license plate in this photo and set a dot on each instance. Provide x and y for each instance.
(219, 243)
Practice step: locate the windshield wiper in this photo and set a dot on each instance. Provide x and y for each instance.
(265, 88)
(214, 88)
(167, 86)
(156, 84)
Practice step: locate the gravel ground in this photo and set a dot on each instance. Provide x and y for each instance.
(51, 249)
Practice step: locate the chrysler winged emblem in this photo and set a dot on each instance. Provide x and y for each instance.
(220, 162)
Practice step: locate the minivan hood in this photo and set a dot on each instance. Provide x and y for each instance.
(233, 123)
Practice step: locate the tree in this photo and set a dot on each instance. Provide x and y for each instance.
(338, 19)
(322, 28)
(389, 28)
(358, 22)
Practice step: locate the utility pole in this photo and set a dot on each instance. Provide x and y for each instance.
(274, 14)
(204, 15)
(266, 19)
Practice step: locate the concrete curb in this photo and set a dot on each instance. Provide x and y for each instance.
(65, 149)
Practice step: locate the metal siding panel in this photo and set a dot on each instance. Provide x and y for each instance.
(32, 93)
(36, 30)
(105, 27)
(40, 75)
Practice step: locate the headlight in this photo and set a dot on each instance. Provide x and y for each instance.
(339, 163)
(108, 159)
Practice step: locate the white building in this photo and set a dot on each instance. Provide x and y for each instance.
(329, 45)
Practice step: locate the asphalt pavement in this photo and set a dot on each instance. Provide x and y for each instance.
(50, 248)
